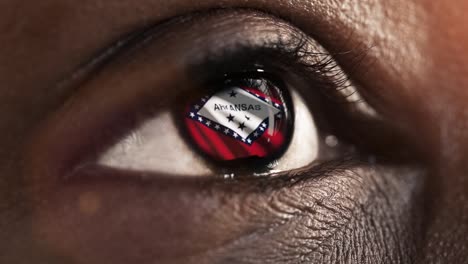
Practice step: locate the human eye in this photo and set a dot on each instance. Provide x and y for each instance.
(246, 124)
(268, 101)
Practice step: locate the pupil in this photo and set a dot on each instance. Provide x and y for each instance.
(249, 119)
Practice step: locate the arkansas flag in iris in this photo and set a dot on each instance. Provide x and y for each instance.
(239, 122)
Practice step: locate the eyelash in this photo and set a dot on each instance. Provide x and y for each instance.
(324, 76)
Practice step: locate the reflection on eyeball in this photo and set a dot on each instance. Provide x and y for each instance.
(249, 121)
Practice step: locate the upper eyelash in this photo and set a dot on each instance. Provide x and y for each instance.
(327, 65)
(321, 68)
(342, 83)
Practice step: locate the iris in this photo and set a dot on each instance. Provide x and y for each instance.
(248, 118)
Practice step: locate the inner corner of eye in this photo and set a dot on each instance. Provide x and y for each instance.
(245, 122)
(155, 146)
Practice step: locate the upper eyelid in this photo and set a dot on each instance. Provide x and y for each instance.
(132, 40)
(143, 37)
(140, 37)
(287, 40)
(148, 33)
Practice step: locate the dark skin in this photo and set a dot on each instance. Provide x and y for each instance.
(411, 211)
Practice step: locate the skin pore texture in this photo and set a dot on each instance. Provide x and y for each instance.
(414, 74)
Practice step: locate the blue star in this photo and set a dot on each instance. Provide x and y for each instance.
(232, 94)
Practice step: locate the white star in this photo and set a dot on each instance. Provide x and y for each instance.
(243, 139)
(208, 123)
(217, 127)
(192, 114)
(266, 100)
(262, 129)
(234, 135)
(249, 141)
(257, 95)
(197, 107)
(255, 134)
(263, 125)
(203, 100)
(200, 119)
(277, 105)
(226, 131)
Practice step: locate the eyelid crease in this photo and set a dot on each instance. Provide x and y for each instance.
(97, 62)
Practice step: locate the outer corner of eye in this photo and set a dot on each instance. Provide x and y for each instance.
(245, 121)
